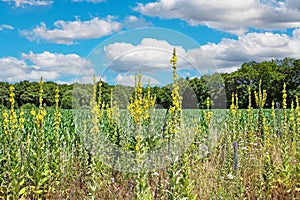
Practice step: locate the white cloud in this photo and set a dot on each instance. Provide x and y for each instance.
(21, 3)
(230, 53)
(67, 32)
(5, 26)
(235, 16)
(153, 55)
(135, 22)
(129, 80)
(50, 66)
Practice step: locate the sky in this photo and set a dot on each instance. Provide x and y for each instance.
(69, 41)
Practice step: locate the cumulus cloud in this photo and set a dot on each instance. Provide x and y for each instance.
(235, 16)
(5, 26)
(21, 3)
(67, 32)
(230, 53)
(50, 66)
(153, 55)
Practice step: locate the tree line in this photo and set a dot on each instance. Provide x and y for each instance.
(194, 90)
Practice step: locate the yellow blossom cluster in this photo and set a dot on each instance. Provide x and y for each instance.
(261, 96)
(5, 122)
(234, 104)
(140, 105)
(41, 112)
(175, 111)
(21, 119)
(273, 109)
(208, 114)
(13, 116)
(112, 110)
(176, 98)
(284, 96)
(57, 113)
(284, 107)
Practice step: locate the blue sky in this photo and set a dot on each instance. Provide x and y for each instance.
(71, 40)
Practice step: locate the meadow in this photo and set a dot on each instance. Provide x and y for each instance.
(103, 152)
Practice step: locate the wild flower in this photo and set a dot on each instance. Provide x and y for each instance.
(21, 120)
(41, 112)
(208, 114)
(249, 107)
(5, 123)
(141, 105)
(175, 108)
(100, 103)
(260, 100)
(233, 108)
(260, 96)
(273, 109)
(13, 116)
(284, 107)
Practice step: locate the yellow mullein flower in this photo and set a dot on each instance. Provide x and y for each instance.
(21, 119)
(261, 96)
(13, 116)
(208, 114)
(273, 109)
(32, 112)
(284, 106)
(5, 122)
(140, 105)
(175, 110)
(284, 96)
(41, 92)
(233, 105)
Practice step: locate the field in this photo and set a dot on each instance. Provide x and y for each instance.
(144, 153)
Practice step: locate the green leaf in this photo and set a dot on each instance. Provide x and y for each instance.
(43, 181)
(23, 191)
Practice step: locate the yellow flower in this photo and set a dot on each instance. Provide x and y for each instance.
(32, 112)
(137, 147)
(43, 112)
(5, 114)
(273, 109)
(21, 120)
